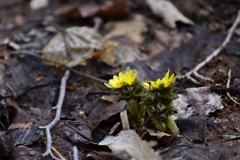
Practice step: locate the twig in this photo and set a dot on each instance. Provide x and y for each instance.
(124, 119)
(97, 22)
(57, 116)
(56, 152)
(112, 130)
(25, 52)
(228, 84)
(211, 56)
(15, 95)
(75, 153)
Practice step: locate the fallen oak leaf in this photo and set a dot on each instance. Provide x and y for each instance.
(197, 101)
(167, 11)
(75, 45)
(111, 9)
(129, 141)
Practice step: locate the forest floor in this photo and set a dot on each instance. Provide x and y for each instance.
(33, 59)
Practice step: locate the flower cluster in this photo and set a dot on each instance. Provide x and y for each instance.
(160, 84)
(123, 79)
(147, 101)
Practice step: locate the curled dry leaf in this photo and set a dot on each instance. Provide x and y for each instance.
(116, 9)
(167, 11)
(111, 9)
(38, 4)
(130, 142)
(130, 28)
(107, 54)
(197, 101)
(172, 42)
(75, 45)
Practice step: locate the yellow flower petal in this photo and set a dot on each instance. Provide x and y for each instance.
(107, 85)
(135, 77)
(121, 76)
(122, 80)
(145, 85)
(172, 78)
(116, 78)
(129, 74)
(166, 77)
(159, 84)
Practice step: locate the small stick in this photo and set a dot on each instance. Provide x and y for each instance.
(124, 119)
(228, 84)
(75, 152)
(57, 116)
(15, 95)
(56, 152)
(211, 56)
(114, 128)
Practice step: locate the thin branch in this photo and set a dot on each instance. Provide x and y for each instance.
(57, 116)
(228, 84)
(56, 152)
(211, 56)
(14, 94)
(124, 119)
(75, 153)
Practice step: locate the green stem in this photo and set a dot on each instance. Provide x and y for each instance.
(171, 126)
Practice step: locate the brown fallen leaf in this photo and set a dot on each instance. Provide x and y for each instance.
(38, 4)
(172, 41)
(114, 9)
(76, 45)
(130, 28)
(130, 142)
(107, 54)
(166, 10)
(111, 9)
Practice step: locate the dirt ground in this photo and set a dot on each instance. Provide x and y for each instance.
(107, 36)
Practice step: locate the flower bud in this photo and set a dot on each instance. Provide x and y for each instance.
(126, 90)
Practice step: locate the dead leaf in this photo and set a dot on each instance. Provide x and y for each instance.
(162, 138)
(111, 9)
(103, 111)
(126, 54)
(75, 132)
(38, 4)
(122, 155)
(172, 41)
(193, 128)
(167, 11)
(130, 142)
(159, 134)
(114, 9)
(26, 153)
(107, 54)
(130, 28)
(197, 101)
(83, 43)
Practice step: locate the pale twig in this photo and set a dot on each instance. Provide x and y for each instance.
(57, 116)
(211, 56)
(124, 119)
(75, 152)
(228, 84)
(97, 22)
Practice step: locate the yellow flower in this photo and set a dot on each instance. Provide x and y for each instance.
(123, 79)
(159, 84)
